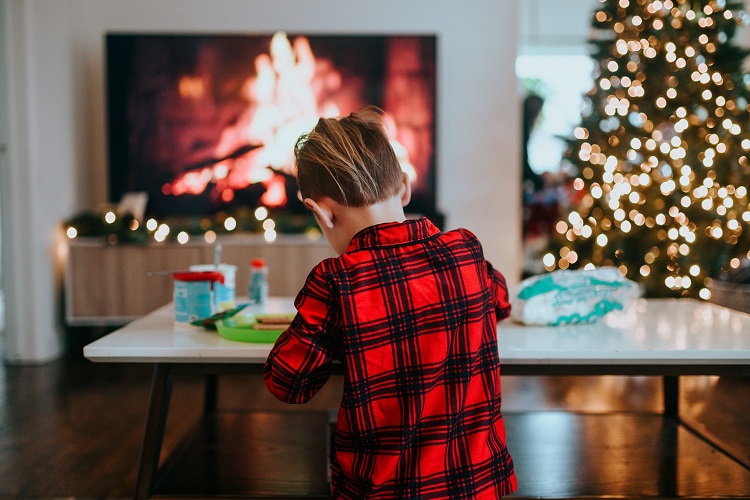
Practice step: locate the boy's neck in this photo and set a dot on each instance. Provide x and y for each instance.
(355, 219)
(348, 221)
(341, 223)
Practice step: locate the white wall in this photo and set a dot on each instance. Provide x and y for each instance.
(34, 182)
(4, 132)
(555, 26)
(564, 26)
(57, 155)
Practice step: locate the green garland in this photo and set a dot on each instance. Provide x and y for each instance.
(126, 229)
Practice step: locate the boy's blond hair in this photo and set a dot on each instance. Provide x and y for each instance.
(349, 160)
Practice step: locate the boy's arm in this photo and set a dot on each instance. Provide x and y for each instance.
(499, 292)
(300, 361)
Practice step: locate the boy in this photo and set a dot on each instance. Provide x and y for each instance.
(411, 314)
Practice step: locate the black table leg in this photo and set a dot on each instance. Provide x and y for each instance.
(154, 431)
(671, 386)
(671, 396)
(210, 395)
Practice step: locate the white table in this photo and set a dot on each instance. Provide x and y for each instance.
(692, 336)
(156, 338)
(665, 338)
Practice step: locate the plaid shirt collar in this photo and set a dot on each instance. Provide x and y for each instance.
(393, 234)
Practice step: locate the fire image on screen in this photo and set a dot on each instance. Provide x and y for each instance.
(207, 123)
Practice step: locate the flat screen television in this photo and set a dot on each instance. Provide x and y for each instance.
(205, 123)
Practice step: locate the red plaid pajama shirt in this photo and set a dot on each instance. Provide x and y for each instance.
(411, 313)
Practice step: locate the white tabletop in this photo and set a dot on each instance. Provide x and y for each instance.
(652, 332)
(156, 338)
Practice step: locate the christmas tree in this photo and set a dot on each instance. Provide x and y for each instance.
(661, 154)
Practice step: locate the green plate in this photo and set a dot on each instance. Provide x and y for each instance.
(241, 328)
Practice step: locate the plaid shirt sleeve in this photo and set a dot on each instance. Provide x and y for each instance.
(300, 362)
(499, 293)
(412, 315)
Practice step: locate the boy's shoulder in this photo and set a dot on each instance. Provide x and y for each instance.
(344, 267)
(463, 234)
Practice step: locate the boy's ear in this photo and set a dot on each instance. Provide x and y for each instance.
(322, 213)
(405, 191)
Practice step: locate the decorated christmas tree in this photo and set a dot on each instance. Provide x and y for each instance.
(661, 155)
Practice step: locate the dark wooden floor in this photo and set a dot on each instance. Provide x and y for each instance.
(72, 429)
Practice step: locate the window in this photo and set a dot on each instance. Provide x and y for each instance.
(560, 80)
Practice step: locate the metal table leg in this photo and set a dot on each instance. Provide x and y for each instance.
(154, 431)
(210, 394)
(671, 386)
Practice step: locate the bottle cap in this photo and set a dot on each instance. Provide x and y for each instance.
(258, 262)
(211, 276)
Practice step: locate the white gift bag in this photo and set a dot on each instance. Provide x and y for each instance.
(566, 297)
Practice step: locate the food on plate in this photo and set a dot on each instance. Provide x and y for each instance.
(273, 321)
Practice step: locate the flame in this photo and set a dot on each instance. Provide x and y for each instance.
(191, 87)
(289, 92)
(193, 182)
(275, 195)
(286, 102)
